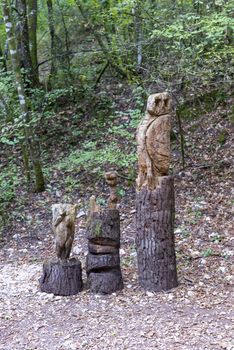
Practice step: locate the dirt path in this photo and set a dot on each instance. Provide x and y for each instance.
(196, 315)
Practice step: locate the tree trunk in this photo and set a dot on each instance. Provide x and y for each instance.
(62, 277)
(32, 29)
(67, 41)
(138, 32)
(155, 211)
(53, 68)
(23, 42)
(32, 146)
(103, 261)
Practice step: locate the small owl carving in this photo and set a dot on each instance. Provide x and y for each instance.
(63, 223)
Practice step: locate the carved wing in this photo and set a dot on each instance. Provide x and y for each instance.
(158, 143)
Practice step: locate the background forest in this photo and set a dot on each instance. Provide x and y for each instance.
(74, 77)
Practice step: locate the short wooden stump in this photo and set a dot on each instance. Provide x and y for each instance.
(62, 277)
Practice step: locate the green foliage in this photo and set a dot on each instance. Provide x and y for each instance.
(200, 43)
(222, 137)
(208, 252)
(95, 158)
(9, 181)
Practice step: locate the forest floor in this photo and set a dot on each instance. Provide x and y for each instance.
(197, 315)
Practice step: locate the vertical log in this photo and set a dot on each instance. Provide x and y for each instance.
(155, 203)
(155, 211)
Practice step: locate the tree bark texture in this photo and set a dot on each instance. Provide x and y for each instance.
(103, 261)
(62, 277)
(155, 211)
(53, 68)
(22, 38)
(32, 31)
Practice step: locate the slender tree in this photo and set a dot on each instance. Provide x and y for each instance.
(31, 146)
(32, 31)
(51, 25)
(138, 32)
(22, 38)
(67, 40)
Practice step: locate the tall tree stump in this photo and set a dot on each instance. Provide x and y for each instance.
(155, 207)
(155, 211)
(62, 277)
(103, 261)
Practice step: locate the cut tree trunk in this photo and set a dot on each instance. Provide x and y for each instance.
(155, 211)
(103, 261)
(62, 277)
(105, 282)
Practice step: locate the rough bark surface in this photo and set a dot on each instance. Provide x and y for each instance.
(155, 212)
(103, 261)
(105, 282)
(62, 277)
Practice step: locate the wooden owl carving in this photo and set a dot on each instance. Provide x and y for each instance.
(153, 141)
(63, 223)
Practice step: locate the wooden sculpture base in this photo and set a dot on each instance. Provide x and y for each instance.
(62, 277)
(155, 211)
(103, 261)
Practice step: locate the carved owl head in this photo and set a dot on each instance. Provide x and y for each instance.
(158, 104)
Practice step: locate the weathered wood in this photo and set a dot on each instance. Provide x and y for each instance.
(63, 223)
(112, 180)
(102, 262)
(155, 211)
(105, 282)
(153, 141)
(104, 227)
(103, 248)
(62, 277)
